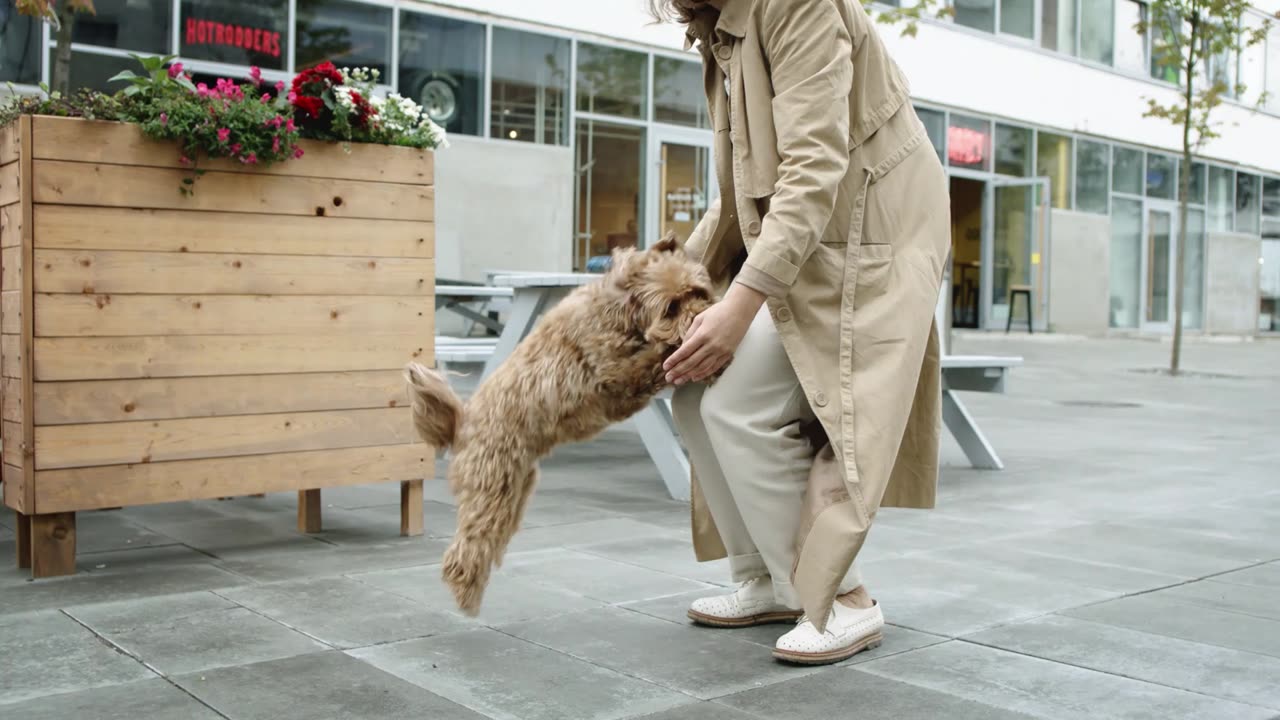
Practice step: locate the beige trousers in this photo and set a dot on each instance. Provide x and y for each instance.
(744, 438)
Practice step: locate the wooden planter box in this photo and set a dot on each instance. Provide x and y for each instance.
(249, 338)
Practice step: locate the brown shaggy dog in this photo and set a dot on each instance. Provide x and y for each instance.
(594, 359)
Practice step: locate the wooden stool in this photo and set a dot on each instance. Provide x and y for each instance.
(1016, 291)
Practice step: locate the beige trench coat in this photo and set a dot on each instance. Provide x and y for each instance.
(832, 191)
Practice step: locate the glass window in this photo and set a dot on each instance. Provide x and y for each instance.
(610, 187)
(19, 47)
(1253, 61)
(1162, 176)
(977, 14)
(1222, 186)
(1053, 160)
(1273, 70)
(1126, 262)
(1166, 62)
(1248, 203)
(235, 32)
(442, 68)
(1018, 17)
(1131, 46)
(1126, 174)
(93, 71)
(1058, 25)
(1013, 150)
(1271, 197)
(1012, 240)
(969, 143)
(142, 25)
(612, 81)
(1093, 168)
(1097, 31)
(1193, 272)
(530, 87)
(935, 124)
(678, 94)
(346, 33)
(1197, 184)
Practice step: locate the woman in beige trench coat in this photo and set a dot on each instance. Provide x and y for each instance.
(828, 243)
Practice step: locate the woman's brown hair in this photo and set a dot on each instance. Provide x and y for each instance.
(682, 11)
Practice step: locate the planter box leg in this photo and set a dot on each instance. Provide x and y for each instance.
(309, 511)
(23, 544)
(411, 508)
(53, 545)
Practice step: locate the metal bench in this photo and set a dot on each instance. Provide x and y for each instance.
(973, 373)
(457, 298)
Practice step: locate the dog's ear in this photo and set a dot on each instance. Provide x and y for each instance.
(667, 244)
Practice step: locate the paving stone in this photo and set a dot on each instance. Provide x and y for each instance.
(155, 699)
(509, 679)
(703, 710)
(1007, 556)
(1249, 600)
(1188, 555)
(224, 535)
(47, 653)
(596, 577)
(673, 556)
(334, 560)
(1179, 619)
(319, 686)
(1206, 669)
(197, 631)
(342, 612)
(852, 694)
(509, 598)
(111, 530)
(707, 664)
(1261, 575)
(1046, 689)
(609, 529)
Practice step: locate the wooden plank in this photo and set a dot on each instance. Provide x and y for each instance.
(126, 485)
(72, 183)
(10, 144)
(11, 268)
(67, 403)
(12, 399)
(14, 492)
(128, 315)
(11, 226)
(11, 312)
(122, 144)
(201, 355)
(168, 273)
(53, 544)
(11, 442)
(411, 508)
(96, 228)
(68, 446)
(309, 511)
(10, 190)
(11, 356)
(27, 356)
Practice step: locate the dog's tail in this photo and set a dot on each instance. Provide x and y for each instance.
(437, 409)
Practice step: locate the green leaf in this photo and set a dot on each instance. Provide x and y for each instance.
(122, 76)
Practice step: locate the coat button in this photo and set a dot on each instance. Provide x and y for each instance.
(820, 400)
(784, 315)
(724, 52)
(753, 227)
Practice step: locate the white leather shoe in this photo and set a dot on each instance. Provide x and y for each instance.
(751, 604)
(849, 631)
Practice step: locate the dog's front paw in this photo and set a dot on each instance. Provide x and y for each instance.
(466, 574)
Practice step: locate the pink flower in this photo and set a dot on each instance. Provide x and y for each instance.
(293, 97)
(250, 159)
(235, 149)
(164, 119)
(297, 152)
(202, 90)
(224, 134)
(184, 159)
(277, 121)
(279, 87)
(265, 99)
(255, 75)
(275, 144)
(175, 70)
(290, 126)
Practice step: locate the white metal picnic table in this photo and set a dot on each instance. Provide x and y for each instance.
(535, 293)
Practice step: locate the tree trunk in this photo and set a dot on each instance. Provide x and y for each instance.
(61, 78)
(1184, 197)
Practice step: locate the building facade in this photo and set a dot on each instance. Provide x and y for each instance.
(578, 126)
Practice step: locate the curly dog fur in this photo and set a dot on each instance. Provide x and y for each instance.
(594, 359)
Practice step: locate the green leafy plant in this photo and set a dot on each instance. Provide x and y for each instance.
(910, 15)
(62, 16)
(1189, 40)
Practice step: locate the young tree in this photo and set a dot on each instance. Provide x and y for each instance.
(908, 13)
(1192, 43)
(61, 14)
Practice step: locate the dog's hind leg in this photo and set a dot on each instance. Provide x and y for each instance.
(486, 523)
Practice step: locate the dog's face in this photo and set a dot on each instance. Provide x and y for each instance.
(665, 289)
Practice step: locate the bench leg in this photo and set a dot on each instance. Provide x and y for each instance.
(23, 544)
(411, 508)
(53, 544)
(309, 511)
(966, 432)
(658, 433)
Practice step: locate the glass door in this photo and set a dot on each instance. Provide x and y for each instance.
(1158, 266)
(682, 182)
(1015, 248)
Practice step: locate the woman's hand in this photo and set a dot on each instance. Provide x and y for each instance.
(714, 336)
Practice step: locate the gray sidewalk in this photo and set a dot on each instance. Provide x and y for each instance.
(1125, 565)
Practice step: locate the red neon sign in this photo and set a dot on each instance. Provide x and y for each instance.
(966, 146)
(208, 32)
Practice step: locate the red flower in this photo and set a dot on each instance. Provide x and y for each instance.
(309, 106)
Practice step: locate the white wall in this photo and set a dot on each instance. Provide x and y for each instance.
(1079, 272)
(1231, 288)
